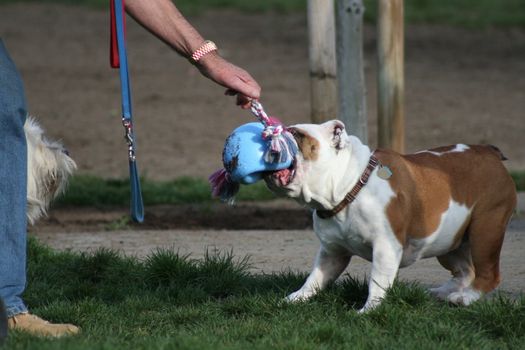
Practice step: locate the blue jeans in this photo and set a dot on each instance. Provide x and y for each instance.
(13, 186)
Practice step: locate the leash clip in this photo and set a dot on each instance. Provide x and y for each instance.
(128, 126)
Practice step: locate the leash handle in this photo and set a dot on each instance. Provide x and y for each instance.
(118, 58)
(113, 47)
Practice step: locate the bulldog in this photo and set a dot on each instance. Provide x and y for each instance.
(452, 202)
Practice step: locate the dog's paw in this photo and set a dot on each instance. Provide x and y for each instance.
(298, 296)
(443, 291)
(439, 293)
(369, 305)
(465, 297)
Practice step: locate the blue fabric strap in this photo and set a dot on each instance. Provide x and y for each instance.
(137, 206)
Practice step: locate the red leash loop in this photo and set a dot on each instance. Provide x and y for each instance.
(114, 59)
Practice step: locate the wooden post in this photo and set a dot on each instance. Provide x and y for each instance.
(390, 46)
(350, 67)
(323, 93)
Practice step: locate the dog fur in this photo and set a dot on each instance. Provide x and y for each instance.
(452, 202)
(48, 170)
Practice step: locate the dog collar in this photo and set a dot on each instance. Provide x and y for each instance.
(350, 196)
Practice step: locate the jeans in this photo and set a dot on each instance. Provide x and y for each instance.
(13, 186)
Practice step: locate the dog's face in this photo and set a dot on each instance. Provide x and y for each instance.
(48, 169)
(320, 147)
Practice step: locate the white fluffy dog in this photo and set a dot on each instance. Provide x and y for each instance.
(48, 169)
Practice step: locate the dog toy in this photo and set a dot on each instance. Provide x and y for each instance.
(119, 60)
(251, 150)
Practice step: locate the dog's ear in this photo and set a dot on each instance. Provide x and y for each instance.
(339, 135)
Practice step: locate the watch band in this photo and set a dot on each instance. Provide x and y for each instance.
(207, 47)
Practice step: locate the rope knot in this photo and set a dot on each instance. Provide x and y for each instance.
(282, 144)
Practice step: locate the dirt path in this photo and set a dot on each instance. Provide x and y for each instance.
(275, 234)
(272, 251)
(461, 86)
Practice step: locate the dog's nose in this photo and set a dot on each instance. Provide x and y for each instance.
(66, 152)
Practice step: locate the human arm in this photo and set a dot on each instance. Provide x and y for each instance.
(165, 21)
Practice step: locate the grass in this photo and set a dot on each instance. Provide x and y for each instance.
(87, 190)
(170, 301)
(465, 13)
(519, 179)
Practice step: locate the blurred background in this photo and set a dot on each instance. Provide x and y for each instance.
(464, 79)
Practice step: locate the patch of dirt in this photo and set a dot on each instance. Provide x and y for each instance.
(274, 251)
(462, 86)
(272, 215)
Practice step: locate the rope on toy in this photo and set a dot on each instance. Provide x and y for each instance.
(281, 148)
(282, 145)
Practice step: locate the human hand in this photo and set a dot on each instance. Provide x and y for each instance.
(237, 81)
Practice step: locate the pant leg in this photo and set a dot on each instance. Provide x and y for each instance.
(13, 186)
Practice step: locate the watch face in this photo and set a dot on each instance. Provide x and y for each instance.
(3, 322)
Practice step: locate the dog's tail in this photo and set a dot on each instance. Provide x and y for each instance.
(498, 152)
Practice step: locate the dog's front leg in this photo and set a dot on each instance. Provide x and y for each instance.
(327, 267)
(386, 258)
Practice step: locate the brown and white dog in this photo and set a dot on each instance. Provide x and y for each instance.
(452, 202)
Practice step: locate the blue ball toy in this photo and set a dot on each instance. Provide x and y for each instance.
(243, 154)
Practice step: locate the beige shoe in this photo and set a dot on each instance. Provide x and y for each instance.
(36, 326)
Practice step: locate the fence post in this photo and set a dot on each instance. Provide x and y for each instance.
(390, 46)
(321, 33)
(350, 67)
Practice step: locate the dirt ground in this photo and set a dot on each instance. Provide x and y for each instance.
(271, 250)
(276, 235)
(461, 86)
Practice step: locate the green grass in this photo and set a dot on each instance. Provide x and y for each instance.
(170, 301)
(466, 13)
(87, 190)
(519, 179)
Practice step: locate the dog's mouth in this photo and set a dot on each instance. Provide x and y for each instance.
(283, 177)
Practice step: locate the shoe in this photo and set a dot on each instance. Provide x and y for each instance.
(34, 325)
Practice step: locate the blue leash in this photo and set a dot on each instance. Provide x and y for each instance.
(137, 206)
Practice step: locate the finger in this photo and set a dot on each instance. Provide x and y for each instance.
(253, 89)
(238, 88)
(249, 90)
(244, 101)
(242, 83)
